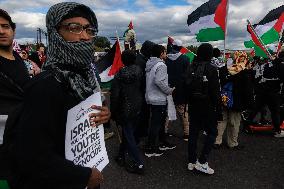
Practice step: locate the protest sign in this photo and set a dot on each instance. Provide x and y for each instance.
(85, 145)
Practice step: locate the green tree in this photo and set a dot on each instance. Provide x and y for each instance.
(101, 42)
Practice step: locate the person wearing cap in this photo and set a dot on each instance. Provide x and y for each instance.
(13, 77)
(38, 145)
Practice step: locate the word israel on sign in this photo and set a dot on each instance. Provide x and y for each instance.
(84, 144)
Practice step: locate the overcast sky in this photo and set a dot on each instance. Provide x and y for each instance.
(153, 19)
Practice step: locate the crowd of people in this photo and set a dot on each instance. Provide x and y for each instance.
(37, 90)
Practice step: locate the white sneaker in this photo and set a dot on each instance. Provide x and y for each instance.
(279, 134)
(204, 168)
(190, 166)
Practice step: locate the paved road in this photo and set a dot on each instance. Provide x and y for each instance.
(260, 165)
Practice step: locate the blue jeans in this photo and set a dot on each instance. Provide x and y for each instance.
(129, 139)
(157, 125)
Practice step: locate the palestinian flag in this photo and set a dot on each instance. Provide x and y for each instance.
(171, 42)
(208, 22)
(130, 27)
(109, 64)
(260, 49)
(269, 28)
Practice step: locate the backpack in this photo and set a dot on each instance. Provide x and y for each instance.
(227, 95)
(196, 82)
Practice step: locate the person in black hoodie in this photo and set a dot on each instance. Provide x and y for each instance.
(177, 65)
(126, 104)
(203, 111)
(141, 59)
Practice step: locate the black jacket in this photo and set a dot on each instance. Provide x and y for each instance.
(13, 78)
(37, 140)
(126, 93)
(242, 87)
(270, 79)
(176, 67)
(212, 104)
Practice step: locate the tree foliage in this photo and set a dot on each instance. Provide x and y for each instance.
(192, 48)
(101, 43)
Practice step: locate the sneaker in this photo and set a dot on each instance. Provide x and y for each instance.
(190, 166)
(169, 134)
(279, 134)
(108, 135)
(136, 169)
(217, 146)
(166, 146)
(238, 147)
(185, 137)
(155, 153)
(120, 160)
(204, 168)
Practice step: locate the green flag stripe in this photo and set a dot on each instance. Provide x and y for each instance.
(267, 38)
(4, 184)
(210, 34)
(259, 52)
(190, 56)
(270, 36)
(249, 44)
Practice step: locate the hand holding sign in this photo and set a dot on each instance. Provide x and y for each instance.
(100, 117)
(84, 144)
(96, 179)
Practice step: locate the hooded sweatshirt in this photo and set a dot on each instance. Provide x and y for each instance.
(127, 93)
(177, 64)
(157, 87)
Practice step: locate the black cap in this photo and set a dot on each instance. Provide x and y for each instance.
(7, 17)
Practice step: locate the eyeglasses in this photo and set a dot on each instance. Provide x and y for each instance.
(23, 53)
(78, 29)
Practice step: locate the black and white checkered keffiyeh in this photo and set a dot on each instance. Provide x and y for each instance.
(71, 61)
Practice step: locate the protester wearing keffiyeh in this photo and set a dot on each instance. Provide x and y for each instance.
(71, 61)
(37, 143)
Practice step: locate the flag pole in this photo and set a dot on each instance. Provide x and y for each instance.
(281, 39)
(225, 33)
(267, 52)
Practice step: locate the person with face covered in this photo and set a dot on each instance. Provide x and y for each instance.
(38, 143)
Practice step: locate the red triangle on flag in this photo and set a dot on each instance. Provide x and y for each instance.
(184, 50)
(117, 63)
(130, 26)
(170, 40)
(255, 38)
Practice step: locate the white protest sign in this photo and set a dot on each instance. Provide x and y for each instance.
(85, 145)
(3, 119)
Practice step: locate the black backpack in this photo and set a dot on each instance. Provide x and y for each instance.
(196, 82)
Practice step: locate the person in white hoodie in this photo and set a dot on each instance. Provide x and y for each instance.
(157, 90)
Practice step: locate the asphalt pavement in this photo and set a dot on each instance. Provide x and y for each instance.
(260, 165)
